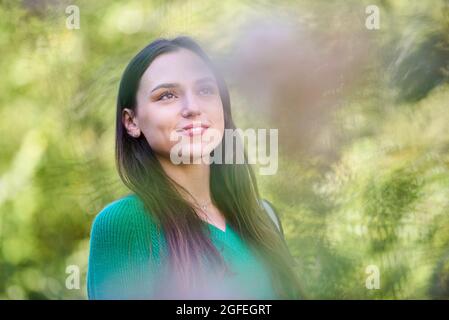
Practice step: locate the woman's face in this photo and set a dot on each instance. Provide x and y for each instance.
(177, 90)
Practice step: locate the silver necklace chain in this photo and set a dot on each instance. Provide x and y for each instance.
(203, 208)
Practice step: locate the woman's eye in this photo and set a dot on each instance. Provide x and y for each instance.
(166, 96)
(207, 91)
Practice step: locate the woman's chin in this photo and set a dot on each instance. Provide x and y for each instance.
(192, 153)
(199, 157)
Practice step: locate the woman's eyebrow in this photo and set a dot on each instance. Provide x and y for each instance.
(165, 85)
(174, 85)
(205, 79)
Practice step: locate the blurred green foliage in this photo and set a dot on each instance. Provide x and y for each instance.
(384, 201)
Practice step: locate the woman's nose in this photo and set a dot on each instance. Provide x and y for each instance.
(190, 107)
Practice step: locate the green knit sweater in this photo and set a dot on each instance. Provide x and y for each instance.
(128, 255)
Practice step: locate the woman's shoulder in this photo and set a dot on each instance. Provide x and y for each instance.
(122, 206)
(120, 237)
(122, 215)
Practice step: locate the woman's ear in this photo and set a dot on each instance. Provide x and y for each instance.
(130, 122)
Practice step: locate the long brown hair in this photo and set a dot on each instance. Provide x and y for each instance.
(233, 188)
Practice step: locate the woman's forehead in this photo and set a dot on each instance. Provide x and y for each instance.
(178, 66)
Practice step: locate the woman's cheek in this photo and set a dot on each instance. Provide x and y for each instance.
(220, 118)
(157, 138)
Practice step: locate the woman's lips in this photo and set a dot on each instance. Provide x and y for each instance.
(194, 129)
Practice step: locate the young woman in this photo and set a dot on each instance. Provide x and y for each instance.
(190, 230)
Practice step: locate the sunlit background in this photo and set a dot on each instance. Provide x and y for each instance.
(362, 113)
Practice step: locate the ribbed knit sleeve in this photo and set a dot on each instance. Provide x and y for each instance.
(123, 257)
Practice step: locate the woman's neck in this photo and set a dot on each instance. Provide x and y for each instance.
(193, 177)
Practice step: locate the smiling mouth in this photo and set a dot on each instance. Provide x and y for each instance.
(193, 129)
